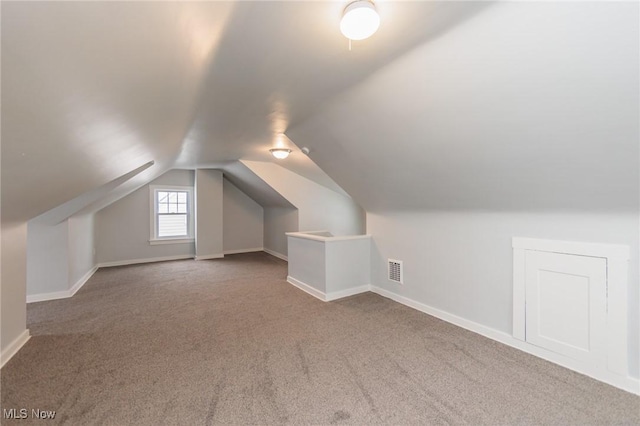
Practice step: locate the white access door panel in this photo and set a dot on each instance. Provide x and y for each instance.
(566, 304)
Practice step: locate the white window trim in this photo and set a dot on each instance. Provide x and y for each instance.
(153, 222)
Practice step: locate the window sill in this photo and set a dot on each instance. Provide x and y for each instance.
(159, 241)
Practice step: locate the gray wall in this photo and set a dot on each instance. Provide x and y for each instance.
(242, 219)
(59, 256)
(208, 213)
(277, 221)
(14, 276)
(47, 257)
(123, 228)
(227, 219)
(462, 263)
(81, 247)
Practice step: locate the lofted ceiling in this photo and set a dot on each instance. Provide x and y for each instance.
(449, 105)
(528, 106)
(94, 90)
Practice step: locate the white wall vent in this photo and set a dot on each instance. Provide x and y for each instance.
(395, 270)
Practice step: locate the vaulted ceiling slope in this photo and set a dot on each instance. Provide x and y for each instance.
(450, 105)
(92, 91)
(527, 106)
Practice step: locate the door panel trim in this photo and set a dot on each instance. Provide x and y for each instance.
(617, 261)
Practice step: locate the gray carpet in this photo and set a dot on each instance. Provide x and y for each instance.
(230, 342)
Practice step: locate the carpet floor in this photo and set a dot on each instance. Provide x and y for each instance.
(229, 341)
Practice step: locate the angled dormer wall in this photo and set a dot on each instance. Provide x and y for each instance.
(242, 218)
(277, 222)
(123, 228)
(319, 208)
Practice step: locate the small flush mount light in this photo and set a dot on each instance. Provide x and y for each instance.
(360, 20)
(280, 153)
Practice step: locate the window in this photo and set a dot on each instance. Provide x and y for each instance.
(172, 210)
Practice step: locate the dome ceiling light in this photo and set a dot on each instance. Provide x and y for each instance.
(280, 153)
(360, 20)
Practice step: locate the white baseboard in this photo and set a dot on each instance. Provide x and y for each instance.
(327, 297)
(240, 251)
(307, 288)
(43, 297)
(335, 295)
(82, 281)
(210, 256)
(629, 384)
(276, 254)
(148, 260)
(14, 347)
(179, 257)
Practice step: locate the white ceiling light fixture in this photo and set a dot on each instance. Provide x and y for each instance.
(360, 20)
(280, 153)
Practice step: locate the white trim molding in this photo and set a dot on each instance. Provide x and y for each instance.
(148, 260)
(617, 251)
(43, 297)
(627, 383)
(335, 295)
(210, 256)
(240, 251)
(306, 288)
(82, 281)
(276, 254)
(317, 236)
(160, 241)
(327, 297)
(14, 347)
(178, 257)
(153, 219)
(617, 258)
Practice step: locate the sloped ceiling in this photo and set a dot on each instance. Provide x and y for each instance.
(256, 188)
(93, 90)
(528, 106)
(511, 105)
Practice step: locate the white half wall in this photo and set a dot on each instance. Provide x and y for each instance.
(277, 222)
(461, 262)
(328, 267)
(123, 228)
(209, 213)
(307, 264)
(13, 309)
(242, 220)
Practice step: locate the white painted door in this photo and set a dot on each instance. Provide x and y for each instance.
(566, 304)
